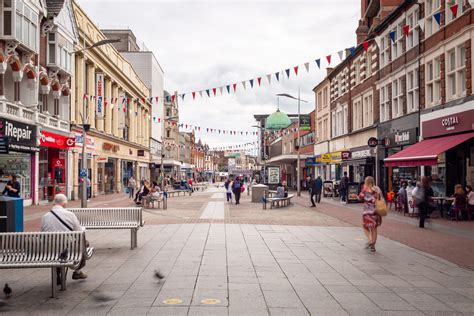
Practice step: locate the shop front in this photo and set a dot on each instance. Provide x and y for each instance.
(359, 163)
(18, 156)
(446, 153)
(53, 164)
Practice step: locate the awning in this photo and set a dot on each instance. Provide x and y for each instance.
(425, 153)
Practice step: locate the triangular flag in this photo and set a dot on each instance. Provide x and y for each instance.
(220, 89)
(352, 50)
(259, 79)
(277, 75)
(421, 24)
(287, 72)
(437, 17)
(228, 88)
(200, 93)
(251, 83)
(156, 98)
(340, 53)
(406, 29)
(207, 91)
(214, 90)
(194, 95)
(296, 70)
(269, 78)
(318, 62)
(328, 58)
(306, 65)
(365, 45)
(172, 98)
(378, 41)
(235, 87)
(182, 96)
(393, 34)
(243, 84)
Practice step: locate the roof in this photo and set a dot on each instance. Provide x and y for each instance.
(277, 121)
(54, 6)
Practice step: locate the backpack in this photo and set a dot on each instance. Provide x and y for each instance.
(237, 184)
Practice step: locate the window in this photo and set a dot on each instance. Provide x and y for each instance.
(384, 50)
(368, 118)
(344, 119)
(384, 104)
(325, 97)
(397, 101)
(7, 17)
(325, 129)
(449, 14)
(357, 115)
(431, 7)
(168, 113)
(456, 72)
(413, 37)
(333, 125)
(397, 47)
(368, 65)
(412, 91)
(433, 82)
(26, 25)
(59, 54)
(319, 100)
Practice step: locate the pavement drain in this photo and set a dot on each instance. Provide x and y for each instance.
(173, 301)
(210, 301)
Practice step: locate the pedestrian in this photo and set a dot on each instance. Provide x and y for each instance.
(89, 188)
(228, 190)
(312, 189)
(61, 220)
(318, 188)
(370, 219)
(131, 187)
(470, 198)
(343, 186)
(13, 187)
(237, 189)
(422, 195)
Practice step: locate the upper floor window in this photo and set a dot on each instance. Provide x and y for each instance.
(456, 72)
(397, 46)
(325, 129)
(412, 91)
(384, 104)
(26, 25)
(319, 132)
(449, 13)
(326, 97)
(357, 116)
(6, 9)
(413, 37)
(59, 51)
(433, 82)
(397, 101)
(319, 100)
(339, 120)
(384, 51)
(431, 7)
(368, 110)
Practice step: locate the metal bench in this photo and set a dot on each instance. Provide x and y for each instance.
(150, 201)
(277, 202)
(44, 250)
(199, 187)
(111, 218)
(178, 192)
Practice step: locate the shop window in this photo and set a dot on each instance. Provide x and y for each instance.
(384, 104)
(397, 101)
(431, 7)
(433, 82)
(413, 37)
(384, 51)
(26, 25)
(456, 72)
(412, 91)
(20, 165)
(449, 14)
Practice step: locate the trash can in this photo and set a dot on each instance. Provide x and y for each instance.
(11, 214)
(258, 192)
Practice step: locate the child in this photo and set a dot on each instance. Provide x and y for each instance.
(228, 188)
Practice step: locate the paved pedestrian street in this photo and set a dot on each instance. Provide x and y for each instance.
(216, 267)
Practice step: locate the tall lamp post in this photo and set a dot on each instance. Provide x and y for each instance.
(263, 147)
(163, 155)
(85, 126)
(298, 171)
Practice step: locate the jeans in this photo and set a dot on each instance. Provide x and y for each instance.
(89, 193)
(229, 197)
(318, 196)
(423, 208)
(237, 196)
(312, 194)
(343, 193)
(131, 191)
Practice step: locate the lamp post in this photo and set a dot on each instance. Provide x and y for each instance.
(163, 155)
(85, 119)
(298, 171)
(264, 154)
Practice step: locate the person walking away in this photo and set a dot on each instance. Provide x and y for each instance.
(319, 189)
(343, 186)
(13, 187)
(61, 220)
(423, 195)
(312, 190)
(370, 219)
(236, 188)
(228, 190)
(131, 187)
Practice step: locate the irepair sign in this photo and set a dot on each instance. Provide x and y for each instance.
(21, 137)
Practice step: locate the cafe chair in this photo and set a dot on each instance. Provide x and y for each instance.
(459, 207)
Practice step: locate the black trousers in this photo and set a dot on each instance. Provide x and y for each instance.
(423, 208)
(237, 196)
(318, 196)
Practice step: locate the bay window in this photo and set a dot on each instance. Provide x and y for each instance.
(26, 25)
(59, 51)
(6, 13)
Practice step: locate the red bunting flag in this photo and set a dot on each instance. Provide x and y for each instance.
(296, 70)
(235, 87)
(214, 90)
(194, 95)
(143, 100)
(406, 29)
(124, 110)
(156, 98)
(454, 10)
(328, 58)
(172, 98)
(128, 100)
(365, 45)
(259, 80)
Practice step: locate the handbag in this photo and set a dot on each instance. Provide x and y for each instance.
(380, 205)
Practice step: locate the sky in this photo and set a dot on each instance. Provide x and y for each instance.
(206, 44)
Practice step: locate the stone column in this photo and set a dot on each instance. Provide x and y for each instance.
(108, 109)
(116, 110)
(17, 76)
(3, 69)
(79, 92)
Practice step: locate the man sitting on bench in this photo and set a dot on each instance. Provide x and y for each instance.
(61, 220)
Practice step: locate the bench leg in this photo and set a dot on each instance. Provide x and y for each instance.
(63, 278)
(54, 280)
(133, 242)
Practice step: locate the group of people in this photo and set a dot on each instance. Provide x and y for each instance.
(234, 186)
(145, 189)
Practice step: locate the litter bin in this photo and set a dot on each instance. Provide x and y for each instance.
(258, 192)
(11, 214)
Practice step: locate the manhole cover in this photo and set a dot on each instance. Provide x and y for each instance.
(210, 301)
(173, 301)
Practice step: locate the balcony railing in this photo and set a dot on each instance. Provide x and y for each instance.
(30, 116)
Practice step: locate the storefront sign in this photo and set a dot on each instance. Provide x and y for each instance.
(339, 156)
(305, 122)
(21, 137)
(326, 158)
(400, 138)
(365, 153)
(102, 159)
(372, 142)
(310, 161)
(317, 159)
(90, 141)
(109, 146)
(99, 92)
(449, 124)
(153, 165)
(140, 153)
(3, 145)
(53, 140)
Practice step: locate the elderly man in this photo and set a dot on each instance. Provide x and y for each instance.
(59, 219)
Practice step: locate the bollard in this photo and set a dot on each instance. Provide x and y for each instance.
(165, 203)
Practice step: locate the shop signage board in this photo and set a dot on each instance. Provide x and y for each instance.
(3, 145)
(400, 138)
(353, 192)
(109, 146)
(449, 124)
(102, 159)
(363, 153)
(372, 142)
(99, 92)
(273, 175)
(310, 161)
(305, 122)
(21, 137)
(48, 139)
(326, 158)
(90, 141)
(141, 153)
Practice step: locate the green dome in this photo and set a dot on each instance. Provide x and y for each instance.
(277, 121)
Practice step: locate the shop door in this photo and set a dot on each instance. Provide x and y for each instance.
(109, 177)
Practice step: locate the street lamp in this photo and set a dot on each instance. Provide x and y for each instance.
(163, 155)
(262, 129)
(298, 171)
(85, 126)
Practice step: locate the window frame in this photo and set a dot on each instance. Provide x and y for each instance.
(431, 26)
(384, 103)
(397, 97)
(434, 82)
(412, 90)
(413, 38)
(456, 73)
(449, 15)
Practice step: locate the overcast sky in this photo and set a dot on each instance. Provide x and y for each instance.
(207, 44)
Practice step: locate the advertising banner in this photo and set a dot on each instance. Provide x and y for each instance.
(48, 139)
(273, 175)
(99, 93)
(305, 122)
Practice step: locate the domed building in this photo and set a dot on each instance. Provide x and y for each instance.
(277, 121)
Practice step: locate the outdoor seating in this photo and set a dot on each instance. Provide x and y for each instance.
(112, 218)
(44, 250)
(277, 202)
(150, 201)
(459, 207)
(172, 193)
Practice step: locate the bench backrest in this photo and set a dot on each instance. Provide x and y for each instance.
(114, 216)
(40, 247)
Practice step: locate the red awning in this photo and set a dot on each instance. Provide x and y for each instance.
(425, 153)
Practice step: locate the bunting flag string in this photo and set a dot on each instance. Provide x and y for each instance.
(192, 127)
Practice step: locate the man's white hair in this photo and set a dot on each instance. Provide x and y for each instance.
(60, 199)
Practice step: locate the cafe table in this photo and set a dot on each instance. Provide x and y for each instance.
(440, 201)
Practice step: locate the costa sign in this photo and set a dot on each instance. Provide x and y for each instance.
(48, 139)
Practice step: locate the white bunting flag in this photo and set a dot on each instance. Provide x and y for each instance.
(378, 40)
(306, 65)
(421, 24)
(269, 78)
(340, 53)
(200, 93)
(220, 89)
(243, 84)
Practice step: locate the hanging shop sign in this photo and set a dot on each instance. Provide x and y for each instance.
(372, 142)
(305, 122)
(99, 91)
(21, 137)
(48, 139)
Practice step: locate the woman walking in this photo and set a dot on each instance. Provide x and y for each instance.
(131, 187)
(370, 219)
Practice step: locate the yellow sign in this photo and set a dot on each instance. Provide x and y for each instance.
(173, 301)
(326, 158)
(210, 301)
